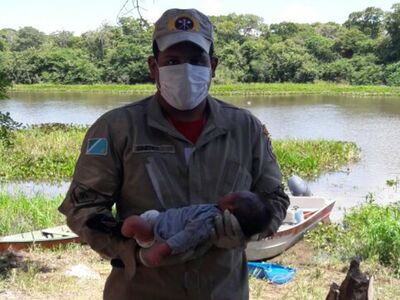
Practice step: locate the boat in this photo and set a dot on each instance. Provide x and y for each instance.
(303, 215)
(46, 238)
(313, 211)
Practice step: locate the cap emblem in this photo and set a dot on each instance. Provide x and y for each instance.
(184, 23)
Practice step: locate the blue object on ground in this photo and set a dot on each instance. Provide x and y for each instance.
(271, 272)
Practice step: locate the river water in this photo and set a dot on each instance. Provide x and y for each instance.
(373, 123)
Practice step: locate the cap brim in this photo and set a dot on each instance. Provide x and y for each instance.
(183, 36)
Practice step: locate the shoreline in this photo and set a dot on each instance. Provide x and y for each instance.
(254, 89)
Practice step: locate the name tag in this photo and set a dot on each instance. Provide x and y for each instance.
(153, 148)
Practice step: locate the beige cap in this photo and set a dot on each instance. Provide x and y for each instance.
(179, 25)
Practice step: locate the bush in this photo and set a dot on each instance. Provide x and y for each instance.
(366, 71)
(392, 74)
(7, 128)
(337, 71)
(369, 231)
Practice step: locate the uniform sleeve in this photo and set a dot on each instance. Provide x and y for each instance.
(92, 193)
(267, 180)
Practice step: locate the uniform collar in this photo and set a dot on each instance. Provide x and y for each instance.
(218, 122)
(217, 119)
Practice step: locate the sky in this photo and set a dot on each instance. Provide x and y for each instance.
(80, 16)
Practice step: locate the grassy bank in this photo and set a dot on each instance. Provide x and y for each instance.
(49, 152)
(227, 89)
(20, 213)
(369, 231)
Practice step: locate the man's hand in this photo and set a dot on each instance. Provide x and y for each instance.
(227, 233)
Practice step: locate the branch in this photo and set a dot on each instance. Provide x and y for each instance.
(128, 7)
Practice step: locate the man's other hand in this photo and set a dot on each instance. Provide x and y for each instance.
(227, 233)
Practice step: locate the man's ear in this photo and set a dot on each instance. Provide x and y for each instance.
(214, 64)
(152, 63)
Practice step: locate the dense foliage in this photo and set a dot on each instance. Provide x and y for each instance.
(369, 231)
(362, 51)
(7, 124)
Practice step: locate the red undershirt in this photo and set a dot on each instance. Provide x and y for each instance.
(190, 130)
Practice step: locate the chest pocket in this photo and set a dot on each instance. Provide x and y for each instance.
(146, 183)
(166, 180)
(234, 178)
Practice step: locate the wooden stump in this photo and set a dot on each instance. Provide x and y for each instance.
(356, 285)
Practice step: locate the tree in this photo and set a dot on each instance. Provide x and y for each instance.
(255, 58)
(233, 65)
(352, 41)
(366, 71)
(4, 83)
(63, 39)
(9, 37)
(7, 124)
(368, 21)
(22, 66)
(29, 37)
(337, 71)
(320, 47)
(285, 30)
(291, 62)
(392, 74)
(127, 63)
(329, 30)
(67, 66)
(235, 27)
(392, 26)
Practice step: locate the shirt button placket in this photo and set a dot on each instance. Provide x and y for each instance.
(192, 177)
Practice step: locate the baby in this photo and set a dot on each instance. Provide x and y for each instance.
(177, 230)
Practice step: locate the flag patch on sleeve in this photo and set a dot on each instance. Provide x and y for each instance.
(97, 146)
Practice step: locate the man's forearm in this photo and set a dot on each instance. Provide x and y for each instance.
(276, 203)
(92, 220)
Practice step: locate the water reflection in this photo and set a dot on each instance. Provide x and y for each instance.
(372, 122)
(77, 108)
(32, 188)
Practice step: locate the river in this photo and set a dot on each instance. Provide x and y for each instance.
(373, 123)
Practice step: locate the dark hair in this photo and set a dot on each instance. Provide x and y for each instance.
(156, 50)
(251, 213)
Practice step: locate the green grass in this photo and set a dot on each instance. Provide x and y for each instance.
(369, 231)
(49, 153)
(226, 89)
(20, 213)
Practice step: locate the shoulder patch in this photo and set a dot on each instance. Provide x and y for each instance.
(98, 146)
(269, 144)
(265, 131)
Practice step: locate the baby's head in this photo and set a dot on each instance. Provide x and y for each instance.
(248, 210)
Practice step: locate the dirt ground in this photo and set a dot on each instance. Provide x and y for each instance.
(41, 274)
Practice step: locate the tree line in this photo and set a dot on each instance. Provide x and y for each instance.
(362, 51)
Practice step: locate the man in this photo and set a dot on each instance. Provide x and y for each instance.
(176, 148)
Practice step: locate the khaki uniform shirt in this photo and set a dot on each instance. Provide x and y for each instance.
(133, 157)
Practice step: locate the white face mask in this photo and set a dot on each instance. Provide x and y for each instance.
(184, 86)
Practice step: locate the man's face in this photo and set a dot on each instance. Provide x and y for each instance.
(181, 53)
